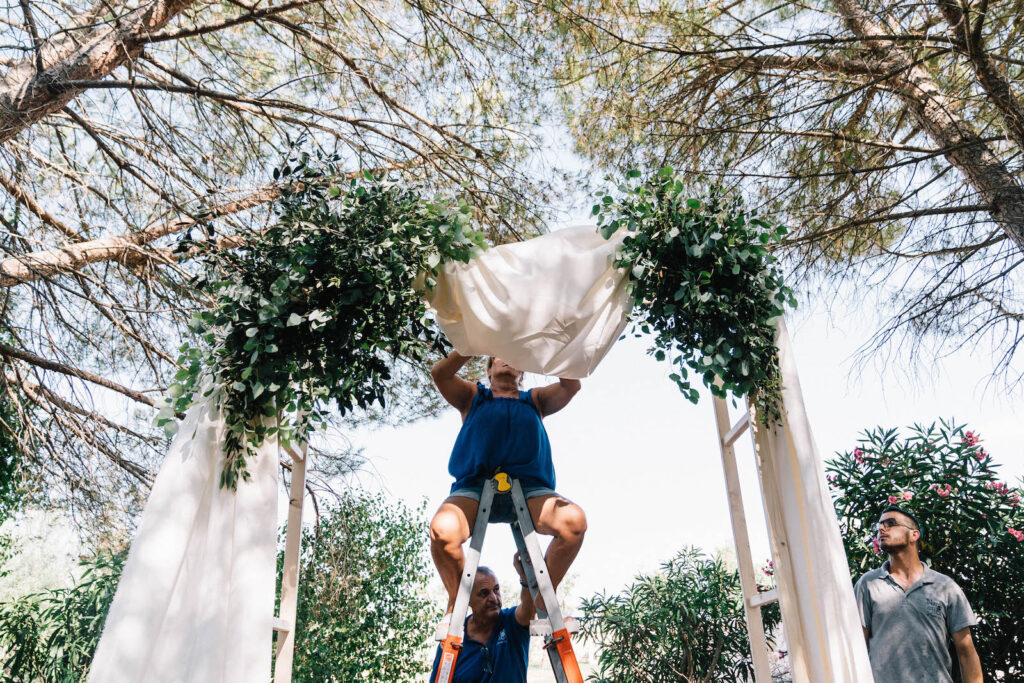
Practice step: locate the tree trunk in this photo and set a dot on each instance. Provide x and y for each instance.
(932, 109)
(28, 94)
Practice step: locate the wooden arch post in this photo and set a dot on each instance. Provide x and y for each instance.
(284, 623)
(819, 612)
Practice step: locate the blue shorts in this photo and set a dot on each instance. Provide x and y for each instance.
(528, 492)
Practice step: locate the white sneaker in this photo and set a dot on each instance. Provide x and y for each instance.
(443, 626)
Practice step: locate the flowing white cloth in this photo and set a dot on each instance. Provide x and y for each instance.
(552, 305)
(196, 600)
(816, 594)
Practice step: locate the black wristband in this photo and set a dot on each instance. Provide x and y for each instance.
(524, 585)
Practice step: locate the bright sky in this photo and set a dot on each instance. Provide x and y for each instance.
(644, 463)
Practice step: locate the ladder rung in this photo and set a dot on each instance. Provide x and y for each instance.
(737, 430)
(765, 598)
(542, 627)
(281, 625)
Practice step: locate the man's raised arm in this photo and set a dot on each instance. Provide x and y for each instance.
(457, 391)
(554, 397)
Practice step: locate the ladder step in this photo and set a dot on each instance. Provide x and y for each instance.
(737, 430)
(765, 598)
(281, 625)
(542, 627)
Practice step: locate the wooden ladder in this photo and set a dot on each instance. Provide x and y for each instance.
(753, 600)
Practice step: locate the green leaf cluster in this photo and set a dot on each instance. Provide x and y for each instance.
(942, 473)
(704, 281)
(311, 312)
(685, 623)
(363, 612)
(52, 636)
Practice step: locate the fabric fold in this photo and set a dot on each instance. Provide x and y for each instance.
(552, 305)
(819, 611)
(195, 603)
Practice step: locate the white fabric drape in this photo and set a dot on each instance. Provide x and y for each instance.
(196, 600)
(552, 305)
(816, 594)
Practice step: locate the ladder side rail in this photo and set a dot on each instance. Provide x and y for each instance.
(452, 643)
(540, 568)
(748, 583)
(559, 646)
(531, 580)
(285, 622)
(476, 545)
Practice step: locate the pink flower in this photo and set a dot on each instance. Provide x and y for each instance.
(858, 455)
(907, 495)
(942, 489)
(893, 500)
(876, 545)
(981, 454)
(1019, 535)
(970, 438)
(1014, 500)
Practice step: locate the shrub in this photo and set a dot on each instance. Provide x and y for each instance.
(685, 623)
(973, 523)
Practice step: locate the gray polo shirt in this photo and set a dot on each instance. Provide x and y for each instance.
(910, 630)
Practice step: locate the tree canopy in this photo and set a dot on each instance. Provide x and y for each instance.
(888, 135)
(123, 125)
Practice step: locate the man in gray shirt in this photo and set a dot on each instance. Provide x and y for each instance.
(909, 612)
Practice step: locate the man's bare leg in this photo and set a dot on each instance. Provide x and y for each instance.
(449, 529)
(565, 521)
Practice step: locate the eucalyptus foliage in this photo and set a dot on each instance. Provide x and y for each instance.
(313, 310)
(704, 281)
(685, 623)
(973, 523)
(52, 636)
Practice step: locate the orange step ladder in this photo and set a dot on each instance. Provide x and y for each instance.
(497, 493)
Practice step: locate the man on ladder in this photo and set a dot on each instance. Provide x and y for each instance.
(503, 431)
(496, 643)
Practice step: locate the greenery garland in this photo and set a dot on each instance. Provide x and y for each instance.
(314, 310)
(705, 284)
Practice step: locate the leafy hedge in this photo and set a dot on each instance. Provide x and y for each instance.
(704, 281)
(685, 623)
(51, 636)
(973, 523)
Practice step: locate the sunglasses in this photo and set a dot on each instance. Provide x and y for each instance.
(891, 522)
(486, 654)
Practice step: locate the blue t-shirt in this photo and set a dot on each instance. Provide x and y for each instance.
(506, 433)
(502, 659)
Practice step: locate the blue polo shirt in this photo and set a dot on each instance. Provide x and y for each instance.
(502, 659)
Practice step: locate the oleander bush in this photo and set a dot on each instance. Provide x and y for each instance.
(973, 523)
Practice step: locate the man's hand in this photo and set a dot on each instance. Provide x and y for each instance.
(526, 609)
(970, 664)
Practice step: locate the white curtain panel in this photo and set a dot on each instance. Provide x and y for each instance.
(552, 305)
(196, 600)
(819, 612)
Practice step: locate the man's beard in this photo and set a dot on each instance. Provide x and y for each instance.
(892, 546)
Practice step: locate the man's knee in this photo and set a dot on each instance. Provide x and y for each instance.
(448, 527)
(571, 522)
